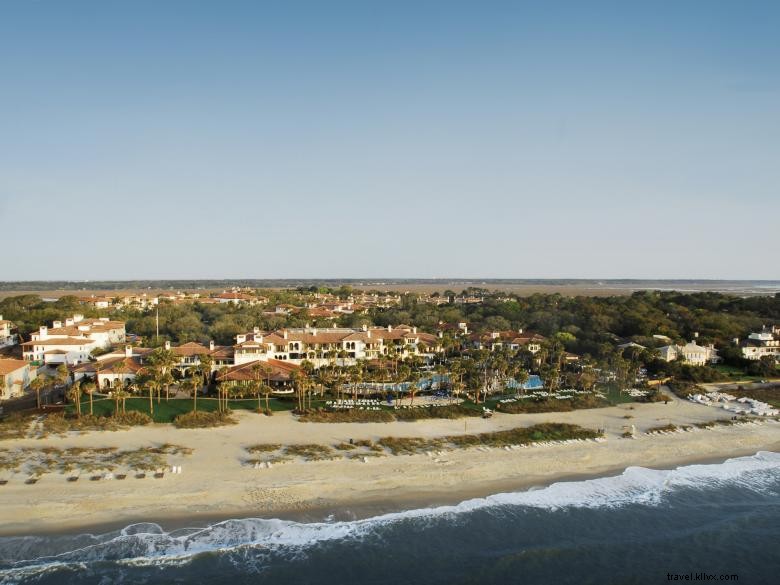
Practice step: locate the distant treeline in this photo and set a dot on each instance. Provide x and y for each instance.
(111, 285)
(585, 325)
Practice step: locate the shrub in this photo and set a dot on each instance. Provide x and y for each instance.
(201, 419)
(133, 418)
(345, 447)
(339, 416)
(448, 412)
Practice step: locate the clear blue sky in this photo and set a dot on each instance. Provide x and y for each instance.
(407, 139)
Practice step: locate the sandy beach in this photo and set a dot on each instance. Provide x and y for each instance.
(215, 484)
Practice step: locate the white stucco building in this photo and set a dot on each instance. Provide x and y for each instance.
(763, 344)
(15, 376)
(343, 346)
(72, 341)
(691, 352)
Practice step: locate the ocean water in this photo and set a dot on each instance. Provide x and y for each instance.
(643, 526)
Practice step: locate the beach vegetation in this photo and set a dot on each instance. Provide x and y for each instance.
(662, 429)
(309, 452)
(198, 419)
(263, 448)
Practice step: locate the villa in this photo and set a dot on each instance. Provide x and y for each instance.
(692, 353)
(763, 344)
(72, 342)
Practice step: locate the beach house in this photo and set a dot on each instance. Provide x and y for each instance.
(692, 353)
(762, 344)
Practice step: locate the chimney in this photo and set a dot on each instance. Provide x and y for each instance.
(285, 333)
(365, 327)
(414, 330)
(368, 333)
(56, 324)
(520, 330)
(389, 327)
(211, 345)
(441, 334)
(69, 322)
(256, 330)
(128, 351)
(167, 344)
(43, 332)
(241, 338)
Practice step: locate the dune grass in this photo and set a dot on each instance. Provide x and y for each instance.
(75, 461)
(518, 436)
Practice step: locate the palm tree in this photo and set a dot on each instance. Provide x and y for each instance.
(205, 364)
(191, 385)
(163, 361)
(221, 373)
(88, 387)
(295, 377)
(413, 379)
(147, 379)
(62, 374)
(98, 365)
(37, 385)
(75, 394)
(254, 387)
(266, 390)
(120, 395)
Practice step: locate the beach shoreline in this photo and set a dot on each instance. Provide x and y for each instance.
(215, 485)
(358, 509)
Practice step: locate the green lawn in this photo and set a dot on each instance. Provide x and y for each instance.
(734, 372)
(166, 410)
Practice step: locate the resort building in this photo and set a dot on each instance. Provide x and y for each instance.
(73, 341)
(114, 369)
(8, 335)
(511, 339)
(190, 354)
(236, 298)
(272, 372)
(342, 346)
(15, 376)
(763, 344)
(692, 353)
(123, 367)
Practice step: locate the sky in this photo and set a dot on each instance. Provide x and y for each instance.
(370, 139)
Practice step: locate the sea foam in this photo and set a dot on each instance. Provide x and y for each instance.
(148, 543)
